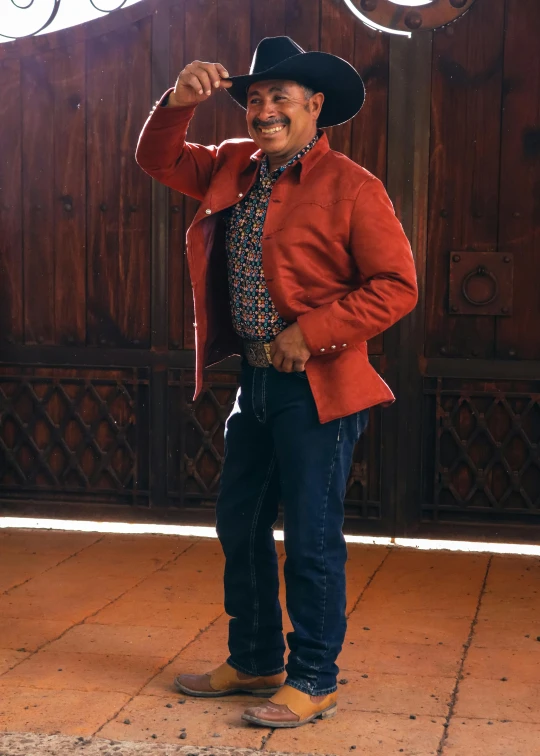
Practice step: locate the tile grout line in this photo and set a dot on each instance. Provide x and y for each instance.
(459, 676)
(44, 572)
(101, 608)
(369, 581)
(159, 671)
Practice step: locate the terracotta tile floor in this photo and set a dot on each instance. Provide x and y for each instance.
(442, 655)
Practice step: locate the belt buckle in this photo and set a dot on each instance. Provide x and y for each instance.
(257, 353)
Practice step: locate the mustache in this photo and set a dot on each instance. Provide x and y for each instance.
(268, 124)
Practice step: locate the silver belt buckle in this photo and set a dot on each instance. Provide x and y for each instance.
(257, 353)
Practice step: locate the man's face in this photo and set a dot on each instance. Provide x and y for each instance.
(280, 119)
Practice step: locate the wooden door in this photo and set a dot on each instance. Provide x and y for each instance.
(96, 314)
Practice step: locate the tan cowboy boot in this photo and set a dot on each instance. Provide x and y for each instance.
(225, 681)
(290, 707)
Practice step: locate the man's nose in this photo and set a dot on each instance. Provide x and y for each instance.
(267, 111)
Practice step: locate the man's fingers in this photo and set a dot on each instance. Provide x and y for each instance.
(191, 80)
(205, 79)
(287, 366)
(222, 71)
(214, 73)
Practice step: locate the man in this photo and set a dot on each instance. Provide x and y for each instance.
(296, 260)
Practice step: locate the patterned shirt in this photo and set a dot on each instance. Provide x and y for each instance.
(254, 314)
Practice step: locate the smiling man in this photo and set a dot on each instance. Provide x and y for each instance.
(296, 260)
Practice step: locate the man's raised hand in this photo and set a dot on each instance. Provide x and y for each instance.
(197, 81)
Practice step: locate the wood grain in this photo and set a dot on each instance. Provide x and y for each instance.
(70, 195)
(234, 49)
(337, 37)
(119, 194)
(11, 254)
(519, 211)
(38, 197)
(464, 169)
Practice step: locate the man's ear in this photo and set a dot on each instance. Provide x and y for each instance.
(317, 103)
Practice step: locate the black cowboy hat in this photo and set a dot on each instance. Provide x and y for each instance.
(281, 58)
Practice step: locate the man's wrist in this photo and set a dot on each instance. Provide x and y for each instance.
(171, 101)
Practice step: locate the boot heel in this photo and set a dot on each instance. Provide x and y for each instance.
(329, 713)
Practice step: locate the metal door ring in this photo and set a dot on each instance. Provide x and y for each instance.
(483, 272)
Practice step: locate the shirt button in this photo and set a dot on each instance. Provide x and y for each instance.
(333, 346)
(208, 211)
(344, 345)
(323, 350)
(240, 195)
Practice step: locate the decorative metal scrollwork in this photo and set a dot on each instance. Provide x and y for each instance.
(406, 16)
(53, 14)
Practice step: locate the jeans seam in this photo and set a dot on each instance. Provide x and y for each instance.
(264, 395)
(252, 557)
(253, 395)
(323, 530)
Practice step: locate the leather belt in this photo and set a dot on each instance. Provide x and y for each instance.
(257, 353)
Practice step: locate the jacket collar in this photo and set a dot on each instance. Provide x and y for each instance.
(308, 161)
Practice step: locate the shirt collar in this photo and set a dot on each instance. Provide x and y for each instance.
(307, 161)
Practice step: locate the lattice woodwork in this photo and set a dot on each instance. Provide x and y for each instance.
(486, 441)
(73, 432)
(196, 446)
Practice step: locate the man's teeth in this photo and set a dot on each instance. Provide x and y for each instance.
(273, 130)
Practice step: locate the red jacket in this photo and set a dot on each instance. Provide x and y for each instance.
(335, 257)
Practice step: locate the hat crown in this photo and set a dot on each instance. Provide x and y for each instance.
(271, 51)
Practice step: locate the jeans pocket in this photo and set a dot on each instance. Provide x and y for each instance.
(301, 374)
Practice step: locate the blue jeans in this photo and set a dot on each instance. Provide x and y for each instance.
(276, 449)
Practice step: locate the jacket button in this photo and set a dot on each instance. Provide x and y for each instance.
(344, 345)
(323, 350)
(208, 211)
(240, 195)
(333, 346)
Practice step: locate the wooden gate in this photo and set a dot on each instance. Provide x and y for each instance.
(96, 319)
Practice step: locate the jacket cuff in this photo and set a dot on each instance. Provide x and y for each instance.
(319, 337)
(162, 115)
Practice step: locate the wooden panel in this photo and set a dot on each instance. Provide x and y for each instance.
(302, 23)
(38, 197)
(481, 450)
(11, 292)
(177, 230)
(234, 50)
(267, 20)
(464, 168)
(337, 37)
(73, 431)
(519, 215)
(118, 192)
(135, 192)
(370, 127)
(69, 195)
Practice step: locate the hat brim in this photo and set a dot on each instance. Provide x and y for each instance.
(341, 84)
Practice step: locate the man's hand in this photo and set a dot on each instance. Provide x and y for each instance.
(196, 83)
(289, 352)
